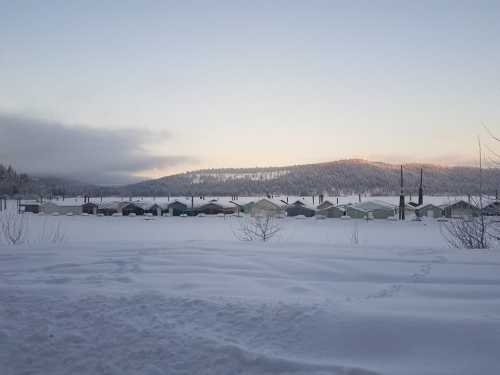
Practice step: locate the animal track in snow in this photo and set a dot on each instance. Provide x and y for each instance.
(423, 272)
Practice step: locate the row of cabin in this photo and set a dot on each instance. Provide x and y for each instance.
(458, 209)
(174, 208)
(371, 210)
(264, 207)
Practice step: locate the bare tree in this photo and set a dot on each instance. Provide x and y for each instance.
(493, 159)
(468, 233)
(14, 227)
(261, 228)
(473, 232)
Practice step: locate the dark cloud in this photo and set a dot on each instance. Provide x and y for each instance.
(105, 156)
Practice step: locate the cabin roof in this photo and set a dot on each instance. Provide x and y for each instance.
(52, 204)
(270, 203)
(352, 207)
(457, 202)
(374, 205)
(428, 205)
(325, 204)
(336, 208)
(494, 204)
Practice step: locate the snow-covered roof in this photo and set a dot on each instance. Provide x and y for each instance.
(166, 205)
(110, 205)
(146, 205)
(458, 201)
(374, 205)
(428, 205)
(352, 207)
(270, 201)
(332, 207)
(73, 202)
(30, 203)
(493, 204)
(325, 204)
(58, 204)
(302, 203)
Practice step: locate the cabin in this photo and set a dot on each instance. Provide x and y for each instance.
(109, 208)
(175, 208)
(410, 211)
(299, 208)
(332, 212)
(32, 207)
(239, 208)
(377, 209)
(460, 209)
(429, 210)
(492, 209)
(324, 204)
(132, 208)
(247, 207)
(152, 208)
(50, 208)
(266, 207)
(355, 212)
(89, 208)
(214, 208)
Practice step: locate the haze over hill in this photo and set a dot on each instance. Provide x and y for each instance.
(13, 183)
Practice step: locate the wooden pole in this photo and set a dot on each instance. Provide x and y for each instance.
(402, 199)
(421, 188)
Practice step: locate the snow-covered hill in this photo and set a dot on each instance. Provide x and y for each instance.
(339, 177)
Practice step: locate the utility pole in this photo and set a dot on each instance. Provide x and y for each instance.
(401, 199)
(421, 188)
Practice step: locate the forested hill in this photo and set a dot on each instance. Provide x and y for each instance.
(14, 184)
(339, 177)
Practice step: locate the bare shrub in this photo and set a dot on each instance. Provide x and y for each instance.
(14, 227)
(470, 232)
(467, 233)
(261, 228)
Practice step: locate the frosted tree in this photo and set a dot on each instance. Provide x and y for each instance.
(261, 228)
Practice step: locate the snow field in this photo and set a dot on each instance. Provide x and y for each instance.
(182, 296)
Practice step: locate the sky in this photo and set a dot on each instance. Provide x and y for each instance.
(131, 89)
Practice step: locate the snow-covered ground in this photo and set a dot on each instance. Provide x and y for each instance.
(124, 295)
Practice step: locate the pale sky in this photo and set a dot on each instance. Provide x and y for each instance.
(184, 85)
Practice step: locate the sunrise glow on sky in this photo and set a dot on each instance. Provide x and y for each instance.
(196, 84)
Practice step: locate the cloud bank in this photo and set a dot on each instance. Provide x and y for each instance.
(99, 156)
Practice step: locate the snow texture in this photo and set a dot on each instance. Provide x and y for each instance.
(122, 295)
